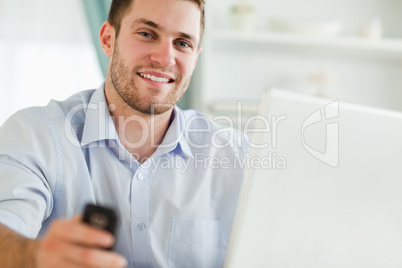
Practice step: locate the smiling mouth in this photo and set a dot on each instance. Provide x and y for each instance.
(156, 78)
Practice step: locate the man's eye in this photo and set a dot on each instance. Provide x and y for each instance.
(183, 44)
(145, 34)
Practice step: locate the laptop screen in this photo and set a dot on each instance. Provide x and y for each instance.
(323, 187)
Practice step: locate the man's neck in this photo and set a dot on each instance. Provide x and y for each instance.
(139, 133)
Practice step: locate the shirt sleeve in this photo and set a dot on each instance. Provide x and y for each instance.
(28, 169)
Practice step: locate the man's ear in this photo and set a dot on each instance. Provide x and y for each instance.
(199, 49)
(106, 35)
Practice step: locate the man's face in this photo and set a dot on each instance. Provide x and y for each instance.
(155, 53)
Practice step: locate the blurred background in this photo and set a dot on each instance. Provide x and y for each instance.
(46, 52)
(345, 49)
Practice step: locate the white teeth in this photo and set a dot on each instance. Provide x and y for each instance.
(155, 78)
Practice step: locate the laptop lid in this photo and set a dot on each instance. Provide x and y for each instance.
(323, 187)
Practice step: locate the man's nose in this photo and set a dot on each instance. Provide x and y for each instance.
(163, 54)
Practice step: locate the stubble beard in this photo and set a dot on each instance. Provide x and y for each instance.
(124, 84)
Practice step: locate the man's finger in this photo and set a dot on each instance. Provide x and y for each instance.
(91, 257)
(81, 233)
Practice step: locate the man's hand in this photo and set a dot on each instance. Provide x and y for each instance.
(71, 243)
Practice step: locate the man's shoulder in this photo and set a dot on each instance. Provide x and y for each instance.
(219, 131)
(194, 119)
(44, 122)
(54, 111)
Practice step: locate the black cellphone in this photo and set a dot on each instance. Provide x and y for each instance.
(100, 217)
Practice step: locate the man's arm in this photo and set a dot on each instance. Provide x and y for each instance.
(68, 243)
(16, 250)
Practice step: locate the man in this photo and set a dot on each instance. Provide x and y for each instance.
(171, 176)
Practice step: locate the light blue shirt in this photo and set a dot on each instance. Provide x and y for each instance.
(175, 210)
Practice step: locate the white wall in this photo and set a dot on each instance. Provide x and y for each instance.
(353, 13)
(240, 70)
(46, 53)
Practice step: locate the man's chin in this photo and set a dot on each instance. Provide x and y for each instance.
(154, 109)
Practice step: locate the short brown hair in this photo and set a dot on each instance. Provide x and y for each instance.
(119, 8)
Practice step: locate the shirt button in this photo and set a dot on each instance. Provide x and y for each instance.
(141, 226)
(140, 176)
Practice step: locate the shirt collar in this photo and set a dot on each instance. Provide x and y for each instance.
(175, 139)
(98, 121)
(99, 126)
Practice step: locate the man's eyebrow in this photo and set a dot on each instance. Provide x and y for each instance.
(146, 22)
(159, 28)
(188, 36)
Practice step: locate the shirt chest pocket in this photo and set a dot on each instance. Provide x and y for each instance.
(197, 243)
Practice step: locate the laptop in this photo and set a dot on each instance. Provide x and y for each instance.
(323, 187)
